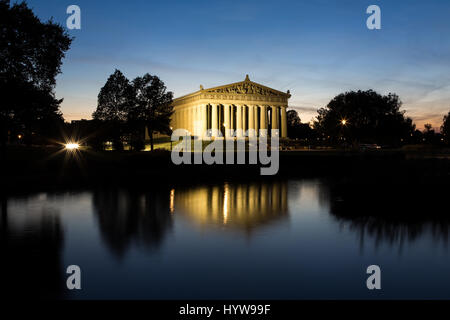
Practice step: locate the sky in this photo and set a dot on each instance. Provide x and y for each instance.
(316, 49)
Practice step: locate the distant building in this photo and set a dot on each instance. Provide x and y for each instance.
(238, 106)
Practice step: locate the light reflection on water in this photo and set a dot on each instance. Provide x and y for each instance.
(237, 206)
(279, 239)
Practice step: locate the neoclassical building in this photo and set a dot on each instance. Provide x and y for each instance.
(238, 106)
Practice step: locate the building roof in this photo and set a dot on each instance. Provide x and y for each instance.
(246, 87)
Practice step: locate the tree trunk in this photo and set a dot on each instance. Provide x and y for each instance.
(150, 133)
(4, 226)
(3, 149)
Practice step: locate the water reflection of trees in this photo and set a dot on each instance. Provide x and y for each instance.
(388, 212)
(128, 216)
(31, 266)
(243, 206)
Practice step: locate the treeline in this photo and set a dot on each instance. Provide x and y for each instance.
(128, 108)
(30, 59)
(364, 117)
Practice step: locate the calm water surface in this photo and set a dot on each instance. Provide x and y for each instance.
(290, 239)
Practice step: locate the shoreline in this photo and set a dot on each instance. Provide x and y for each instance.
(51, 168)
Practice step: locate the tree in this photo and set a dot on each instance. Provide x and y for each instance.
(114, 103)
(130, 107)
(293, 119)
(115, 99)
(297, 129)
(445, 128)
(364, 116)
(30, 59)
(152, 107)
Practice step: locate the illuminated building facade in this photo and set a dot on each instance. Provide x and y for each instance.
(233, 108)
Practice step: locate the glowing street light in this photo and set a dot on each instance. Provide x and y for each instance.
(72, 146)
(344, 122)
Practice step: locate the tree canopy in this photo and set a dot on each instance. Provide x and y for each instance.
(141, 103)
(115, 99)
(364, 116)
(296, 129)
(153, 105)
(30, 59)
(445, 128)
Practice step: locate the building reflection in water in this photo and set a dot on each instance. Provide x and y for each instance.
(127, 217)
(234, 205)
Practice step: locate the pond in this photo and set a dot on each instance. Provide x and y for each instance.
(277, 239)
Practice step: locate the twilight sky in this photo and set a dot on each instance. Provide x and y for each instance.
(316, 49)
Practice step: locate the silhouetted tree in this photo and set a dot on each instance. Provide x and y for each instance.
(152, 105)
(114, 98)
(445, 128)
(364, 116)
(428, 133)
(297, 129)
(113, 106)
(293, 118)
(31, 54)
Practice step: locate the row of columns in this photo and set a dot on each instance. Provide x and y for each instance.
(210, 118)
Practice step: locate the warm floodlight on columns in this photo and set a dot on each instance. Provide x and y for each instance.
(274, 121)
(232, 109)
(251, 121)
(239, 125)
(227, 120)
(263, 121)
(214, 120)
(204, 120)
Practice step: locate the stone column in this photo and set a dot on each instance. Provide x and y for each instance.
(238, 121)
(257, 117)
(251, 121)
(188, 119)
(214, 121)
(274, 119)
(226, 120)
(283, 123)
(193, 120)
(244, 119)
(197, 121)
(263, 120)
(204, 118)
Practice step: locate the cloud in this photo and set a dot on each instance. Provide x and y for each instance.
(308, 109)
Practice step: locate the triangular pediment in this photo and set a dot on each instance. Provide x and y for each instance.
(247, 87)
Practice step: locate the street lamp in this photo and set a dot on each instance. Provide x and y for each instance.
(344, 122)
(171, 130)
(72, 146)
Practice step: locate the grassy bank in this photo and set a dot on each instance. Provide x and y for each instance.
(38, 168)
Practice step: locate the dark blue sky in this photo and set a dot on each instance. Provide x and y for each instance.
(316, 49)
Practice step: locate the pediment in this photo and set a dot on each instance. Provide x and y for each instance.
(247, 87)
